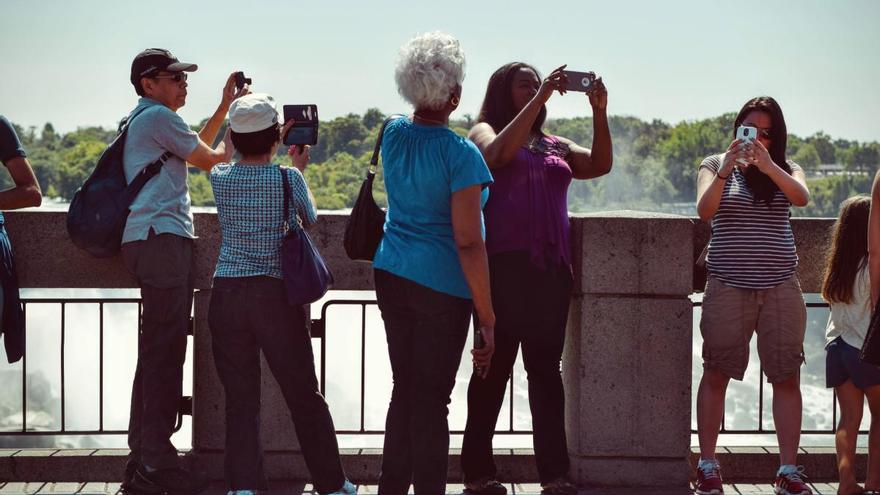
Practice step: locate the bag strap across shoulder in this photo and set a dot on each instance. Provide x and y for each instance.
(374, 160)
(156, 166)
(123, 125)
(285, 187)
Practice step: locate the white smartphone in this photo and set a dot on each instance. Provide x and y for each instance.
(746, 133)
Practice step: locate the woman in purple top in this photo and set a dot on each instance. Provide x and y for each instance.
(527, 239)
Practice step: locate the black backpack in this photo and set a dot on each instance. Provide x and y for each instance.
(97, 215)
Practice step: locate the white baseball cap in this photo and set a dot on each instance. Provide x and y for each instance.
(252, 113)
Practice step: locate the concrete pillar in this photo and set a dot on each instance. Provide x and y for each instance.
(627, 358)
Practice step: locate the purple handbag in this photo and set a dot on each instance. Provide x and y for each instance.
(306, 275)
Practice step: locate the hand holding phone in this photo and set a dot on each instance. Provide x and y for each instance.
(484, 348)
(478, 344)
(241, 80)
(746, 133)
(579, 81)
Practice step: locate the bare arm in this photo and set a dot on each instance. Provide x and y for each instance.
(710, 185)
(209, 132)
(26, 191)
(874, 241)
(467, 230)
(299, 158)
(794, 186)
(205, 157)
(499, 149)
(596, 162)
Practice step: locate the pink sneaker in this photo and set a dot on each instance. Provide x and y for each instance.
(791, 483)
(709, 480)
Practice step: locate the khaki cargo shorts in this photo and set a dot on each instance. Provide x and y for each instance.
(731, 315)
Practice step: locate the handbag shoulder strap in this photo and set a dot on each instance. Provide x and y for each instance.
(285, 187)
(374, 160)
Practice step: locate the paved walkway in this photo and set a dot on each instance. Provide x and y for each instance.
(289, 488)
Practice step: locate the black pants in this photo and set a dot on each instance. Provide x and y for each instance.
(163, 266)
(426, 332)
(247, 315)
(531, 309)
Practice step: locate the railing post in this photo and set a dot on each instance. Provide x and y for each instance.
(627, 360)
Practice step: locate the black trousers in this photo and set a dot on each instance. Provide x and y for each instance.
(426, 332)
(247, 315)
(163, 267)
(531, 310)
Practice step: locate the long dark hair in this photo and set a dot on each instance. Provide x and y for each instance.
(763, 188)
(848, 252)
(498, 109)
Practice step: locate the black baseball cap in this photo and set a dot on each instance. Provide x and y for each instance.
(153, 60)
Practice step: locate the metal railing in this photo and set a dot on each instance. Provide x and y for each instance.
(760, 430)
(318, 330)
(186, 402)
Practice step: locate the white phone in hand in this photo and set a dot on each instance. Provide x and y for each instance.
(746, 133)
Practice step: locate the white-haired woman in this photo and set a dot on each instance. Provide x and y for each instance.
(431, 270)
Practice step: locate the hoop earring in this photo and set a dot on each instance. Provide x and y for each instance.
(455, 101)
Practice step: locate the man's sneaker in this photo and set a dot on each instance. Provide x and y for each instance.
(485, 487)
(347, 489)
(709, 479)
(791, 483)
(560, 486)
(174, 481)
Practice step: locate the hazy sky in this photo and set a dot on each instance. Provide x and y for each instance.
(68, 61)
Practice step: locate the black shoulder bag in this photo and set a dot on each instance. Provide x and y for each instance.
(366, 223)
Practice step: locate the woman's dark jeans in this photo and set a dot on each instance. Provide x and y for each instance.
(247, 315)
(531, 309)
(426, 332)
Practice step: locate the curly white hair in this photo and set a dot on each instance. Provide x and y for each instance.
(429, 67)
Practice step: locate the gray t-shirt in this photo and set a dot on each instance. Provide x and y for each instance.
(164, 203)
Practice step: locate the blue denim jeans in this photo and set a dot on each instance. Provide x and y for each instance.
(248, 315)
(426, 332)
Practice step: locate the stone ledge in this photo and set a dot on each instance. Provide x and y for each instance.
(361, 465)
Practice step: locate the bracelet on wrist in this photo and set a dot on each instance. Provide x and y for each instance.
(718, 176)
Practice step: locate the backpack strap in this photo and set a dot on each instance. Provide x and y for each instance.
(123, 124)
(154, 168)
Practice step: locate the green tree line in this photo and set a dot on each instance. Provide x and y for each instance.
(655, 163)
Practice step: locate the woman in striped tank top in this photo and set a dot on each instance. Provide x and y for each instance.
(746, 193)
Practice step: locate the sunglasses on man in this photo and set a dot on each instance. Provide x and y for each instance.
(176, 76)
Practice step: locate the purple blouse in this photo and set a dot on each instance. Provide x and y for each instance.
(528, 205)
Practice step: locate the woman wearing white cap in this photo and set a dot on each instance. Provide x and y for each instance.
(249, 312)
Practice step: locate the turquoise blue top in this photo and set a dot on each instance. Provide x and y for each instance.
(423, 166)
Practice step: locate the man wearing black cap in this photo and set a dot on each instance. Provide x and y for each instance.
(157, 249)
